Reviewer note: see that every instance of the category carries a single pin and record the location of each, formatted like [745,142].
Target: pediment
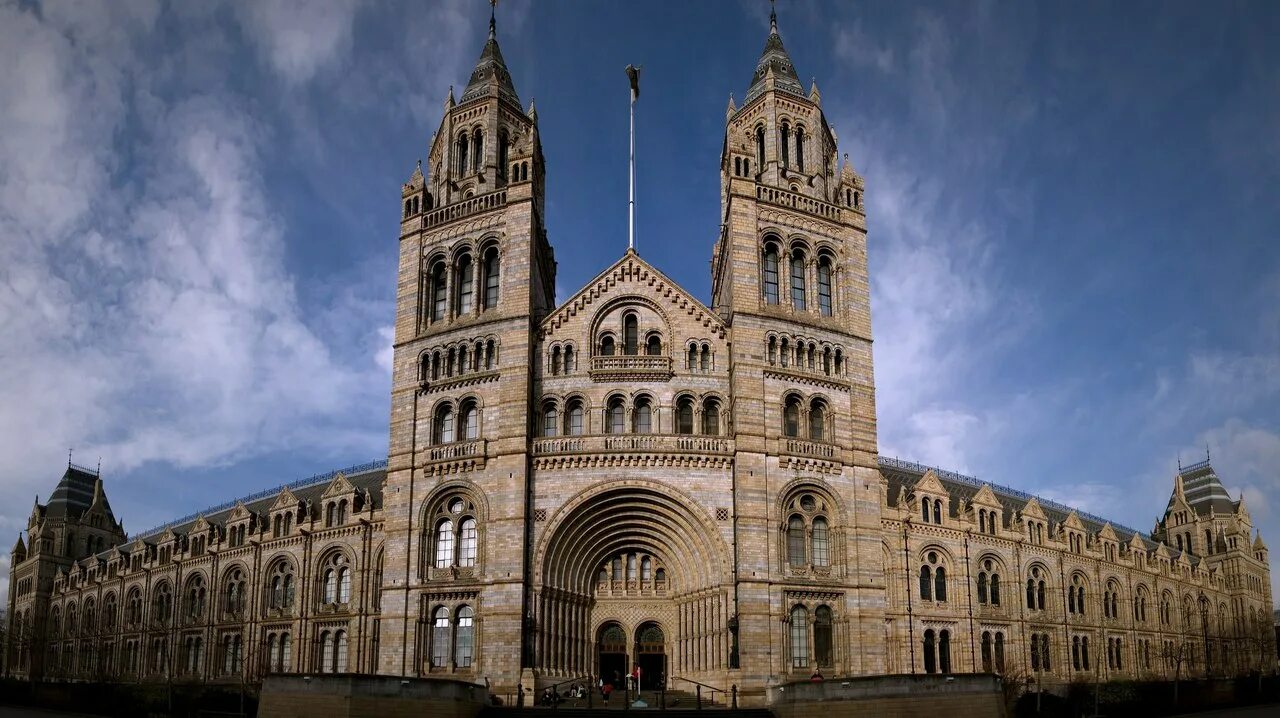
[632,275]
[339,486]
[1162,550]
[1108,533]
[167,536]
[930,484]
[1072,521]
[1033,510]
[238,513]
[200,525]
[986,498]
[286,500]
[1137,544]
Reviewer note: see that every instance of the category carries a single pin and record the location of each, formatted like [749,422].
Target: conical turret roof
[774,58]
[1202,489]
[491,69]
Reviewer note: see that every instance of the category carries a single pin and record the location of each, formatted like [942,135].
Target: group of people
[551,696]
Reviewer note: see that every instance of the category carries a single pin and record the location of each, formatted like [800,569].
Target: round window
[807,502]
[456,506]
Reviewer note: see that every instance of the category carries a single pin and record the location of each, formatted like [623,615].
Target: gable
[338,487]
[286,500]
[631,275]
[929,483]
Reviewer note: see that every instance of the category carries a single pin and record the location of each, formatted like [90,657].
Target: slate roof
[368,477]
[73,495]
[774,56]
[1204,490]
[490,68]
[905,473]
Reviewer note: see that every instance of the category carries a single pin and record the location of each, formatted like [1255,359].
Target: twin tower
[633,477]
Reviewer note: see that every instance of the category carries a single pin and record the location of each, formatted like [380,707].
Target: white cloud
[300,38]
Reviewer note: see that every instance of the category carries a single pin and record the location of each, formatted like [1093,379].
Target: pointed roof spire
[490,69]
[19,548]
[449,101]
[774,58]
[732,108]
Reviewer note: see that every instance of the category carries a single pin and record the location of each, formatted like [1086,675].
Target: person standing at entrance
[605,691]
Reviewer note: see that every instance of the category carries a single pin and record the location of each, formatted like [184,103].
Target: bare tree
[1176,652]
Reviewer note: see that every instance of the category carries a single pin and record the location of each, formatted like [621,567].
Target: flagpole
[631,203]
[633,75]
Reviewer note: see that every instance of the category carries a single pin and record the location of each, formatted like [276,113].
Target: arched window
[461,152]
[710,417]
[926,584]
[791,417]
[280,580]
[817,421]
[504,151]
[999,652]
[770,274]
[693,357]
[568,360]
[464,280]
[477,150]
[653,345]
[684,415]
[930,657]
[944,651]
[986,651]
[615,416]
[469,421]
[195,596]
[438,286]
[746,167]
[785,143]
[799,637]
[706,358]
[760,146]
[642,417]
[550,421]
[492,272]
[937,511]
[800,148]
[797,279]
[822,637]
[444,543]
[573,418]
[824,285]
[821,542]
[646,569]
[924,509]
[464,638]
[606,345]
[630,335]
[443,425]
[737,166]
[1075,595]
[795,541]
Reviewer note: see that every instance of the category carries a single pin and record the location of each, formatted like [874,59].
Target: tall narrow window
[646,569]
[461,151]
[930,655]
[467,544]
[642,417]
[684,416]
[795,541]
[615,416]
[818,422]
[791,417]
[606,346]
[464,279]
[800,148]
[491,273]
[444,544]
[940,584]
[504,150]
[549,420]
[470,422]
[799,637]
[573,419]
[569,358]
[477,151]
[797,280]
[820,542]
[440,638]
[464,638]
[438,288]
[824,286]
[344,584]
[444,425]
[944,651]
[711,417]
[770,275]
[630,335]
[326,652]
[786,141]
[760,147]
[822,637]
[926,584]
[986,651]
[999,652]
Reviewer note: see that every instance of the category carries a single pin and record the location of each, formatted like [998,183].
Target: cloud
[300,38]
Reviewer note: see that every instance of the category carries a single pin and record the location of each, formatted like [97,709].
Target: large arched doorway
[651,655]
[611,655]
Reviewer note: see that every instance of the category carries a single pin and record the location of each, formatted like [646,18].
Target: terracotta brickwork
[632,477]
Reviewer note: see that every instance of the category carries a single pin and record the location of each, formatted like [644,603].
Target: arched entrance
[611,655]
[651,655]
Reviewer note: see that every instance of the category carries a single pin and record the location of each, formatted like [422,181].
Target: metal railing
[730,697]
[1000,489]
[300,483]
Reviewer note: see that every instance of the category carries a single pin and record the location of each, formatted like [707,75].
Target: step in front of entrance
[613,711]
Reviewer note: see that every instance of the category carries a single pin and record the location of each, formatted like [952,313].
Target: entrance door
[651,656]
[611,646]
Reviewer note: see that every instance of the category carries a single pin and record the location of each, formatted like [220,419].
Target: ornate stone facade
[633,477]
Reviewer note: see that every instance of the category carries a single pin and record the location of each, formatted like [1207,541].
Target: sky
[1072,211]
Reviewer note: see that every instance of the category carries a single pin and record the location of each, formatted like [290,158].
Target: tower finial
[493,11]
[773,17]
[68,457]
